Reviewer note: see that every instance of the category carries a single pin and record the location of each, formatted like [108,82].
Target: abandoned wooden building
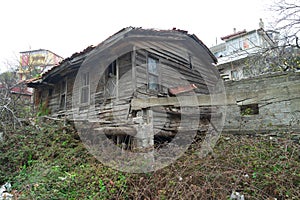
[138,81]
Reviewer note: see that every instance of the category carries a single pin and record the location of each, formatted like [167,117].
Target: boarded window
[250,109]
[153,79]
[85,88]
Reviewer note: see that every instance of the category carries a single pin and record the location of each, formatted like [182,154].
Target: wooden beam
[186,101]
[116,130]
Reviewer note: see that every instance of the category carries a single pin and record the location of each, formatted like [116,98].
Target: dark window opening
[250,109]
[62,104]
[62,101]
[112,69]
[50,92]
[111,82]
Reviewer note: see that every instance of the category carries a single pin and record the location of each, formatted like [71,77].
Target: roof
[123,33]
[18,90]
[37,50]
[234,35]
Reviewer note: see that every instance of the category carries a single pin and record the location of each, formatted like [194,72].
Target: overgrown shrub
[48,161]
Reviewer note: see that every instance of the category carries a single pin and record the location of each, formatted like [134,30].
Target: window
[50,92]
[250,109]
[63,89]
[245,44]
[85,88]
[234,46]
[111,81]
[112,69]
[234,75]
[152,67]
[253,40]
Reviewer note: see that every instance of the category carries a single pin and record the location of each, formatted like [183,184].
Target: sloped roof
[17,89]
[125,32]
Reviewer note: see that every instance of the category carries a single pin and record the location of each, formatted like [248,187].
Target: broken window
[250,109]
[153,77]
[85,88]
[112,69]
[63,89]
[111,82]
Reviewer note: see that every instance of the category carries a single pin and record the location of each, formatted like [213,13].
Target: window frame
[63,94]
[155,75]
[84,86]
[235,75]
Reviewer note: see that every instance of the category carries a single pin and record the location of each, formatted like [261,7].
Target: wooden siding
[174,71]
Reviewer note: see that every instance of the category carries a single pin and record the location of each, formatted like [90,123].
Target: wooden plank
[188,101]
[133,62]
[116,130]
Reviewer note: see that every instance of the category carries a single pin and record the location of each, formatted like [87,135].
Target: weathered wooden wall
[116,113]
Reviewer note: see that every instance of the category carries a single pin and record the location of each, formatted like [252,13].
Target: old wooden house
[150,82]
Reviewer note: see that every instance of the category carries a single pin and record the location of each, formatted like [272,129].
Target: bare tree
[7,101]
[15,101]
[284,55]
[15,97]
[287,20]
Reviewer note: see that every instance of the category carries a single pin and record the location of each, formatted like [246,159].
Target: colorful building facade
[36,62]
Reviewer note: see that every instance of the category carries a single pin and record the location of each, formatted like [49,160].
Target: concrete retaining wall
[277,97]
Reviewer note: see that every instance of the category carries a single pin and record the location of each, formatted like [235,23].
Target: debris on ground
[236,195]
[4,192]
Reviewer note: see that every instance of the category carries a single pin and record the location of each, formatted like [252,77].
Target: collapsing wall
[266,103]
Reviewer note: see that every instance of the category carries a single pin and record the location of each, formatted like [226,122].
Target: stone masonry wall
[277,98]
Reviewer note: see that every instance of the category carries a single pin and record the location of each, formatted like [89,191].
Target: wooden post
[145,132]
[133,63]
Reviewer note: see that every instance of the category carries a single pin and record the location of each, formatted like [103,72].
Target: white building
[234,53]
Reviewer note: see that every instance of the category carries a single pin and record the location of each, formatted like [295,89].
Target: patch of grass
[50,162]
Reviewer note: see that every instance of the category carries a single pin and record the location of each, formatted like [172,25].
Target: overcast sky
[66,27]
